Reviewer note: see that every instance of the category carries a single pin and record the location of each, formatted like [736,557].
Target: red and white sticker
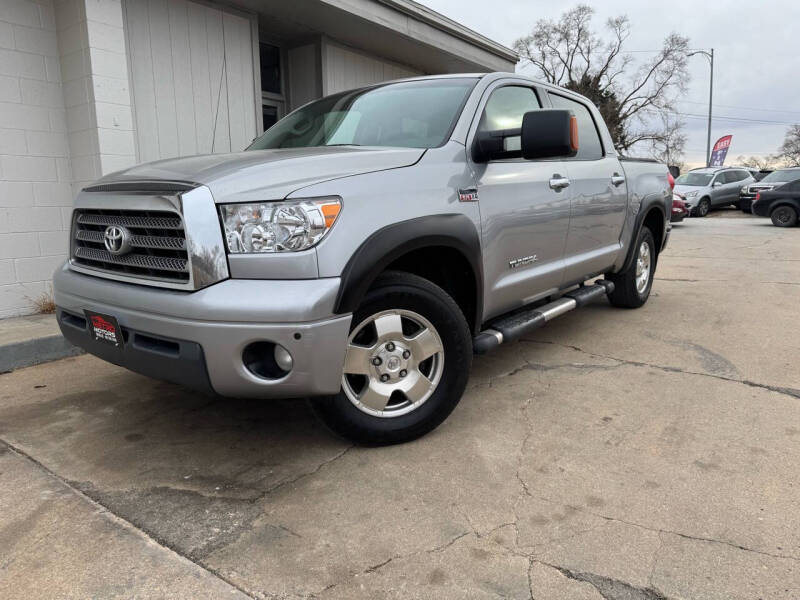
[104,328]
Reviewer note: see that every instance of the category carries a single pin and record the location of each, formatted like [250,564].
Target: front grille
[157,244]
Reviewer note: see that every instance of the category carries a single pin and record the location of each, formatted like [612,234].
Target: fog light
[283,358]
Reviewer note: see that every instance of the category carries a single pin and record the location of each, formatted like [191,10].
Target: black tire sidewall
[625,294]
[404,291]
[790,223]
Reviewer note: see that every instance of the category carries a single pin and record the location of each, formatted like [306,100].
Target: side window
[733,176]
[506,107]
[590,147]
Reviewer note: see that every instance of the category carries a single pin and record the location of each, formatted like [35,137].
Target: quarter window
[590,147]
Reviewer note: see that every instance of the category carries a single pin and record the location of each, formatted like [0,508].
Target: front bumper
[197,338]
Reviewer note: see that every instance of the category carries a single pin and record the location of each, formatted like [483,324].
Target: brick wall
[35,171]
[65,120]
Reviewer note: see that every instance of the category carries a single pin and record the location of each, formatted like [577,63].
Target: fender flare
[389,243]
[793,202]
[654,202]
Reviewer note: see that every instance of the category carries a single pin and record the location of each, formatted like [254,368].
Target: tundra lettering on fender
[364,248]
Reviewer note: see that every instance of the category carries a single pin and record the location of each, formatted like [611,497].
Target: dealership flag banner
[720,151]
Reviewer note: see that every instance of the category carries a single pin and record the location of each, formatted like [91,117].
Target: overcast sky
[756,66]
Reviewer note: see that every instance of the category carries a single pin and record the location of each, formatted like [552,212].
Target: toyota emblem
[117,240]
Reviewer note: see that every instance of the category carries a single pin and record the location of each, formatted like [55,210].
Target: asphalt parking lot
[616,454]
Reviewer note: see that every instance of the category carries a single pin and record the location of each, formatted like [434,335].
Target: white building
[88,87]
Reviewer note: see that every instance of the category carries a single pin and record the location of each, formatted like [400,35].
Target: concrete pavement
[614,454]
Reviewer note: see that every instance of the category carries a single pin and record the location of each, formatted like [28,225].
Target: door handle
[558,183]
[617,180]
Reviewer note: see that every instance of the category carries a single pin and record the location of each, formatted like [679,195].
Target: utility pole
[710,56]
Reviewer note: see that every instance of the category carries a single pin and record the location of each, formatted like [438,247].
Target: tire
[702,207]
[629,291]
[783,216]
[404,306]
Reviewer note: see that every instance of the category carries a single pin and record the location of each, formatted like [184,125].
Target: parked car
[781,204]
[679,209]
[747,194]
[711,187]
[364,247]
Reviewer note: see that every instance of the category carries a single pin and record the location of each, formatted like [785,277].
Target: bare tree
[569,53]
[768,161]
[789,152]
[670,147]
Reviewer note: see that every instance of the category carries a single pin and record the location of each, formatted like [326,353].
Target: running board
[513,327]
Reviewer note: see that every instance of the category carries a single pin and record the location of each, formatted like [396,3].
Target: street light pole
[710,56]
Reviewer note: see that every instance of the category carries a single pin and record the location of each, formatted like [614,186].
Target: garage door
[192,78]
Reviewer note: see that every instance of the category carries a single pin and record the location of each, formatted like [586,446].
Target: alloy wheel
[643,267]
[393,363]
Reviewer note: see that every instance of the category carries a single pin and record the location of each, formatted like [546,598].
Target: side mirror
[716,184]
[551,133]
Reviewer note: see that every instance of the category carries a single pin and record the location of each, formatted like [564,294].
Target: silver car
[712,186]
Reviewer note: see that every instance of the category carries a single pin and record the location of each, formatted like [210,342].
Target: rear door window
[589,145]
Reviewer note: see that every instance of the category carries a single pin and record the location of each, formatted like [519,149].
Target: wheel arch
[654,216]
[444,249]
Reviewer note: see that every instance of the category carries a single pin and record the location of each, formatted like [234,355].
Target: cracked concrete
[613,455]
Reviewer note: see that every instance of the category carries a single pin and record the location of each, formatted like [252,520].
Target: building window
[270,68]
[273,102]
[270,113]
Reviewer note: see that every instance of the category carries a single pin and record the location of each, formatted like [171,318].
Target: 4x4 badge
[468,195]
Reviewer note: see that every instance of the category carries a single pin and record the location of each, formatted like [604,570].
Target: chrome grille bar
[142,222]
[137,241]
[142,261]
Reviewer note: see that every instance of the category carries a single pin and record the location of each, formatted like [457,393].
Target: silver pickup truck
[363,248]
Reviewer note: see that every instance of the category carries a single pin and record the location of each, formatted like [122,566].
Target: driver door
[525,209]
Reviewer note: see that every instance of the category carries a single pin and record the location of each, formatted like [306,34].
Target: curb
[35,352]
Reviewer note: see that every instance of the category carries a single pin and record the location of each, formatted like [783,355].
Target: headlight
[691,194]
[288,226]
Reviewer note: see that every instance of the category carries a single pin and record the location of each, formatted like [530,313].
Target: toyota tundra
[364,247]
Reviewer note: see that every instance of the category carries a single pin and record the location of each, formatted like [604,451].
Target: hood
[259,175]
[685,189]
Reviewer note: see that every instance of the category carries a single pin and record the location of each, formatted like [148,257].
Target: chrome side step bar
[514,326]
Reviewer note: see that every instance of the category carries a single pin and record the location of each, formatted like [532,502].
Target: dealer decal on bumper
[104,328]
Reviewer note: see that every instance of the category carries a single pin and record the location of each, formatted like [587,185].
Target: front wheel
[703,207]
[406,366]
[784,216]
[632,286]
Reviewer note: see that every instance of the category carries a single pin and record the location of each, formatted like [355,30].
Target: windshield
[696,179]
[782,175]
[412,114]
